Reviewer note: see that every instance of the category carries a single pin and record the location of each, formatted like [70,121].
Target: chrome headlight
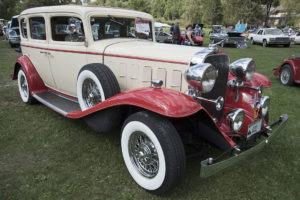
[236,118]
[264,105]
[243,69]
[202,76]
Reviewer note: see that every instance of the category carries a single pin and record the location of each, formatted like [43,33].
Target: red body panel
[35,82]
[295,65]
[256,81]
[197,39]
[166,102]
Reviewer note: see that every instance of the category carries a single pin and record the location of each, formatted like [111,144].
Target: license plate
[253,128]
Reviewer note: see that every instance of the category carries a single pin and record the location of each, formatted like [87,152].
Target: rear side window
[68,29]
[24,28]
[37,28]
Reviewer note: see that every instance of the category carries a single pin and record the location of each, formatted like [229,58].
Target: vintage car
[198,40]
[289,71]
[13,32]
[163,96]
[270,36]
[229,38]
[162,36]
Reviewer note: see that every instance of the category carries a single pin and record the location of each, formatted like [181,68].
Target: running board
[57,102]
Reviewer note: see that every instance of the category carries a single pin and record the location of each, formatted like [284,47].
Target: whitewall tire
[153,152]
[24,89]
[95,83]
[89,90]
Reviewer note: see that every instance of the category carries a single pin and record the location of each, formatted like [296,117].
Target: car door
[35,44]
[68,51]
[259,36]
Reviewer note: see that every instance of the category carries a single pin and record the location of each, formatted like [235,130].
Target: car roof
[83,10]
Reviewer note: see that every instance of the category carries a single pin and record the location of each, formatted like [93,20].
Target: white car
[270,36]
[297,38]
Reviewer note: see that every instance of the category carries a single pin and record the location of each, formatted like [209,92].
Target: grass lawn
[44,155]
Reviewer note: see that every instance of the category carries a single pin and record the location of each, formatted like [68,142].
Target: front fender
[165,102]
[256,81]
[35,82]
[289,62]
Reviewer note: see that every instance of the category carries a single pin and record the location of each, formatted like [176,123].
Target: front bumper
[278,43]
[208,169]
[14,40]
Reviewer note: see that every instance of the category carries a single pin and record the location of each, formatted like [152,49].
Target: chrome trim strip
[60,111]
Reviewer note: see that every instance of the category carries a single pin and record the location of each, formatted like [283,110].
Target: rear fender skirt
[35,82]
[256,81]
[166,102]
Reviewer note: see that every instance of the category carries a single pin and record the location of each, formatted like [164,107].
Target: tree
[212,11]
[193,11]
[269,4]
[7,8]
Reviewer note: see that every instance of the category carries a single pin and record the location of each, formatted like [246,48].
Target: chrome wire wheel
[143,154]
[285,76]
[90,93]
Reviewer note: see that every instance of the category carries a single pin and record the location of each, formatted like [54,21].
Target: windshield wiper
[114,20]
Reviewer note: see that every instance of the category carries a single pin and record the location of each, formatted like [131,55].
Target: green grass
[44,155]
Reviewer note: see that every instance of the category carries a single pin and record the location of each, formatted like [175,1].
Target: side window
[24,28]
[37,28]
[260,32]
[69,29]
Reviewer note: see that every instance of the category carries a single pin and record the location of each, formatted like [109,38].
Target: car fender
[166,102]
[35,82]
[257,80]
[293,66]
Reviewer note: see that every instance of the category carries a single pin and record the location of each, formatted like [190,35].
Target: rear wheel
[286,75]
[252,41]
[153,152]
[24,88]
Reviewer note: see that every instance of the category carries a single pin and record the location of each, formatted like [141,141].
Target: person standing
[189,40]
[176,34]
[172,29]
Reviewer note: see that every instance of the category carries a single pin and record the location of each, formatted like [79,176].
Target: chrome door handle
[45,52]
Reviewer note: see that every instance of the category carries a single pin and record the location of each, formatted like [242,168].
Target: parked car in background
[198,40]
[2,24]
[297,38]
[163,96]
[230,38]
[270,36]
[163,36]
[289,71]
[7,29]
[13,32]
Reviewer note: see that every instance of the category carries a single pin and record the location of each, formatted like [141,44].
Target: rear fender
[35,82]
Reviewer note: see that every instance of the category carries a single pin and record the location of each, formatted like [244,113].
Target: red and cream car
[104,66]
[289,71]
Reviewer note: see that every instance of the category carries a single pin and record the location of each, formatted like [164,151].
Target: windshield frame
[96,15]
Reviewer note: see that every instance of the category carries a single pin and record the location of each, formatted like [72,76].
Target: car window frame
[21,27]
[29,28]
[66,14]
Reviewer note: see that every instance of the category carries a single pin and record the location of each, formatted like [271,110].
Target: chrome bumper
[211,169]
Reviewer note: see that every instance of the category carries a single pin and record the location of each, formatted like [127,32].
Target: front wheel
[286,75]
[265,44]
[251,41]
[153,152]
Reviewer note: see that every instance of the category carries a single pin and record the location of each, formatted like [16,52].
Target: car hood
[152,50]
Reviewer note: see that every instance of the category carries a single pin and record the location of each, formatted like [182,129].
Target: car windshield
[113,27]
[273,32]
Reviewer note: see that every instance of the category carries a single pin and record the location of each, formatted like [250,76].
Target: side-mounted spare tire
[96,83]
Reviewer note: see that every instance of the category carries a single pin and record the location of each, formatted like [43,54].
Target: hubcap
[90,93]
[285,76]
[24,86]
[143,154]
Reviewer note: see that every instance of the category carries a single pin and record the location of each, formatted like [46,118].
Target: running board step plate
[57,102]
